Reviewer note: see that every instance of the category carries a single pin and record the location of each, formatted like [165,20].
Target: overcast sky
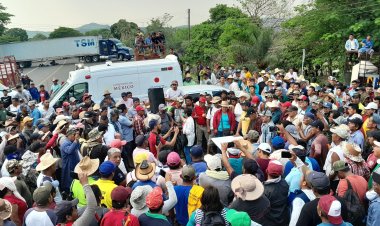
[45,15]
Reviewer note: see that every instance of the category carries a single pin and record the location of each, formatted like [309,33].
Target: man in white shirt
[234,85]
[126,98]
[351,46]
[210,118]
[173,93]
[291,75]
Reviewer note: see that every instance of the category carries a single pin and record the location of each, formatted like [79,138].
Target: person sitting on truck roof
[188,80]
[7,100]
[34,92]
[44,95]
[173,93]
[55,87]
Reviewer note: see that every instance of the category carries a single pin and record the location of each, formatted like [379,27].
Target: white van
[136,77]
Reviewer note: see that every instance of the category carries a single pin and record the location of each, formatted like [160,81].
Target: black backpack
[213,218]
[355,210]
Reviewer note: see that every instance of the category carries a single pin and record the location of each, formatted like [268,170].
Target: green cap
[340,166]
[236,218]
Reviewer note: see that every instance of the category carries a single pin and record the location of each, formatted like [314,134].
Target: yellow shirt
[248,75]
[194,201]
[106,187]
[78,192]
[244,123]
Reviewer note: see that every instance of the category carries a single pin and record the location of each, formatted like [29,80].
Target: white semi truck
[87,48]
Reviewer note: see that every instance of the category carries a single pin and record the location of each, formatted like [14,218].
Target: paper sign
[218,141]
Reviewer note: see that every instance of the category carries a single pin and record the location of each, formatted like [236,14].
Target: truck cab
[113,48]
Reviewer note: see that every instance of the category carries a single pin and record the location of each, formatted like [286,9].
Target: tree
[159,23]
[267,12]
[63,32]
[5,18]
[125,31]
[17,33]
[105,33]
[39,36]
[221,13]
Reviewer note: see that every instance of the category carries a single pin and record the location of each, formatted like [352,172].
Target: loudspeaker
[156,97]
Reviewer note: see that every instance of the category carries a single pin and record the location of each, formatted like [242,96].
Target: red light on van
[170,68]
[156,79]
[87,76]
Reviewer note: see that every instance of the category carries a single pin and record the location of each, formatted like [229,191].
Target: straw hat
[106,92]
[216,99]
[5,209]
[87,166]
[46,161]
[273,104]
[145,171]
[352,151]
[247,187]
[59,118]
[225,104]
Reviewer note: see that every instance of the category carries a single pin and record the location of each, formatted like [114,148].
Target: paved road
[45,75]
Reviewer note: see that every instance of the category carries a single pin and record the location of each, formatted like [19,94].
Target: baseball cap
[250,111]
[42,194]
[117,143]
[64,206]
[327,105]
[252,135]
[140,108]
[152,123]
[340,166]
[65,104]
[372,106]
[255,99]
[139,140]
[154,199]
[356,121]
[318,180]
[202,100]
[173,159]
[196,151]
[236,218]
[303,98]
[85,96]
[107,168]
[274,168]
[287,104]
[317,124]
[278,142]
[265,147]
[121,193]
[310,115]
[188,172]
[332,208]
[213,162]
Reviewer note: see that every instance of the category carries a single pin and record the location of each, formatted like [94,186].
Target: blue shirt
[368,44]
[34,93]
[70,158]
[224,122]
[35,114]
[373,218]
[357,137]
[311,163]
[142,183]
[126,128]
[182,193]
[237,165]
[199,167]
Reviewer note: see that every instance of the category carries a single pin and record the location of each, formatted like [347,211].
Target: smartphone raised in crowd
[162,173]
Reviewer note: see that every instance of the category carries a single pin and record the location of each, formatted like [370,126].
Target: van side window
[75,91]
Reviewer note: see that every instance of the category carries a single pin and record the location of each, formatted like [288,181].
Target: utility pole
[188,22]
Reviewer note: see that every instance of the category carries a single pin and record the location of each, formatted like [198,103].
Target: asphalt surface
[45,75]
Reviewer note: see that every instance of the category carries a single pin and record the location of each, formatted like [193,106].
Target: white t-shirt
[210,115]
[172,94]
[328,165]
[238,111]
[234,87]
[38,218]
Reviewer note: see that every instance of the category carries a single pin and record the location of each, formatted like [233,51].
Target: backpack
[213,218]
[355,210]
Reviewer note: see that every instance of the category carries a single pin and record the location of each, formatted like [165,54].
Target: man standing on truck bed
[55,87]
[173,93]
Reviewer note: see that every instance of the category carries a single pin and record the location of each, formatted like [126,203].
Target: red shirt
[263,163]
[153,142]
[199,114]
[21,205]
[42,96]
[119,218]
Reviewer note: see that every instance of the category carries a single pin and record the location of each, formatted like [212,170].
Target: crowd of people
[300,154]
[151,43]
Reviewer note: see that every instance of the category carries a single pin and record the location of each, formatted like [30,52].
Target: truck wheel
[88,59]
[121,57]
[95,58]
[25,64]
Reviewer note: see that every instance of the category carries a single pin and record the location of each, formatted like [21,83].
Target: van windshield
[54,94]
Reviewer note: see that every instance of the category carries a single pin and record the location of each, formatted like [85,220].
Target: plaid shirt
[359,168]
[138,125]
